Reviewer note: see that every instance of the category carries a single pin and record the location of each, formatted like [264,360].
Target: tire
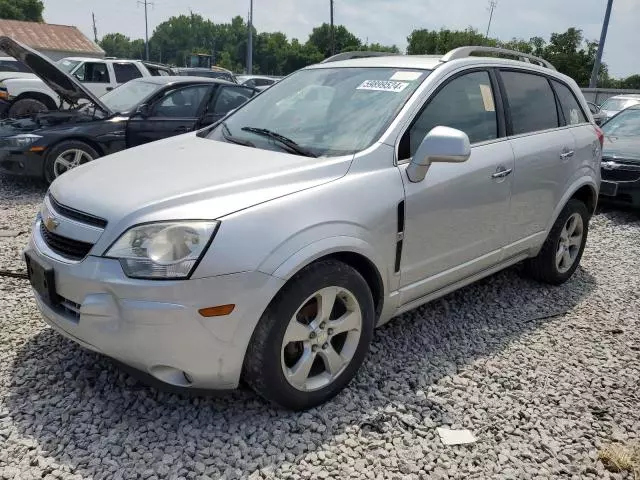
[544,267]
[26,106]
[269,356]
[78,154]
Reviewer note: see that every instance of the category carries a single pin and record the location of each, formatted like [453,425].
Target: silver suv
[268,247]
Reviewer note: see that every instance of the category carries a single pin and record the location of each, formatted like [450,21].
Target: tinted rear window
[13,66]
[531,102]
[126,72]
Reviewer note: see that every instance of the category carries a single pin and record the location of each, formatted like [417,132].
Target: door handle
[567,154]
[109,89]
[502,173]
[181,130]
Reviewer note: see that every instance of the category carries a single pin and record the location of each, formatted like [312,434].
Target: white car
[25,94]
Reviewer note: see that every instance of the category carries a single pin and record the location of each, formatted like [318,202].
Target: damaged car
[48,144]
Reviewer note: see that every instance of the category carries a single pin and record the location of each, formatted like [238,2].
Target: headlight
[20,141]
[167,250]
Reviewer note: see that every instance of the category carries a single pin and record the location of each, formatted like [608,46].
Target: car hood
[34,123]
[158,180]
[67,87]
[621,148]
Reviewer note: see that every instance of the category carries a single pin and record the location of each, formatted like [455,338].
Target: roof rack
[355,54]
[464,52]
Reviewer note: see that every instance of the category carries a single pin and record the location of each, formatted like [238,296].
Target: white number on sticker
[383,86]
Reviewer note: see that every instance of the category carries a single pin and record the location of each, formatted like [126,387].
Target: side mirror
[442,144]
[143,110]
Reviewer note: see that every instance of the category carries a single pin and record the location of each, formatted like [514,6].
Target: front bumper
[27,164]
[620,184]
[154,326]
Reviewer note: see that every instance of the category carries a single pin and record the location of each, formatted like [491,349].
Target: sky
[381,21]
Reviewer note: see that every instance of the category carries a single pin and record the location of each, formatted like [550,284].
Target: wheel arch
[42,97]
[584,189]
[355,252]
[77,138]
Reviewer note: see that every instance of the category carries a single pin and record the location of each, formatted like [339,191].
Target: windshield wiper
[226,134]
[287,142]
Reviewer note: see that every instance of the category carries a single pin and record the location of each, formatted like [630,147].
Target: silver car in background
[269,246]
[617,103]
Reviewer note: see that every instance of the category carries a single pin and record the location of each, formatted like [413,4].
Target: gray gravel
[542,395]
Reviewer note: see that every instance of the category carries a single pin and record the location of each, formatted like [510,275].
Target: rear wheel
[26,106]
[561,253]
[66,156]
[313,337]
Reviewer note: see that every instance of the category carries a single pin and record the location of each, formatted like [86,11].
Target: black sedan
[48,144]
[621,159]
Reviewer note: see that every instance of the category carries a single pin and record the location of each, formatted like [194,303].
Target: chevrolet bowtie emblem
[51,223]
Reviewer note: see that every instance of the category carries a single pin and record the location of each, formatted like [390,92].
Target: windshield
[128,95]
[326,111]
[67,65]
[617,104]
[625,124]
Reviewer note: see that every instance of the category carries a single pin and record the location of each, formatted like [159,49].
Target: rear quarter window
[571,109]
[531,102]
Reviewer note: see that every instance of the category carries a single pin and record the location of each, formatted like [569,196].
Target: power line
[492,5]
[593,82]
[146,26]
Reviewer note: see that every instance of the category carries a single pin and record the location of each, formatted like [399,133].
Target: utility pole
[250,41]
[146,26]
[95,29]
[332,33]
[593,83]
[492,5]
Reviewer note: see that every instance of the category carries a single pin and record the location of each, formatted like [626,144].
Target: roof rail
[464,52]
[355,54]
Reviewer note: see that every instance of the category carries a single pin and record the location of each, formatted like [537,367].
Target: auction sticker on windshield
[383,86]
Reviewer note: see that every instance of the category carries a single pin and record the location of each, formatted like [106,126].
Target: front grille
[620,175]
[76,215]
[72,309]
[66,247]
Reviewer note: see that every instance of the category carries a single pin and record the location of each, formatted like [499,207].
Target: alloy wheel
[321,339]
[569,243]
[70,159]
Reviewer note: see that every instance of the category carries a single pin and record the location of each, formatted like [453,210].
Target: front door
[177,111]
[225,99]
[455,217]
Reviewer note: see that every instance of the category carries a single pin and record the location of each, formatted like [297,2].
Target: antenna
[146,26]
[95,29]
[333,39]
[492,5]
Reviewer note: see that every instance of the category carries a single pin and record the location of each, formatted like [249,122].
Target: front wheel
[66,156]
[313,337]
[561,253]
[25,107]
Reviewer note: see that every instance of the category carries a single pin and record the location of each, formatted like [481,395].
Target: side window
[465,103]
[229,98]
[263,82]
[92,72]
[125,72]
[571,109]
[250,83]
[531,102]
[181,103]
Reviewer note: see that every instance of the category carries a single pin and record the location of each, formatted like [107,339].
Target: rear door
[587,147]
[175,111]
[544,151]
[224,99]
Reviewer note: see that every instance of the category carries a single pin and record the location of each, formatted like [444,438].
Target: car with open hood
[48,144]
[621,159]
[267,247]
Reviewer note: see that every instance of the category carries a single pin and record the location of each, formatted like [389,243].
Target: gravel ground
[542,395]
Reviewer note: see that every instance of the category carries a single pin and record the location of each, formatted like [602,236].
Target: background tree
[432,42]
[344,40]
[28,10]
